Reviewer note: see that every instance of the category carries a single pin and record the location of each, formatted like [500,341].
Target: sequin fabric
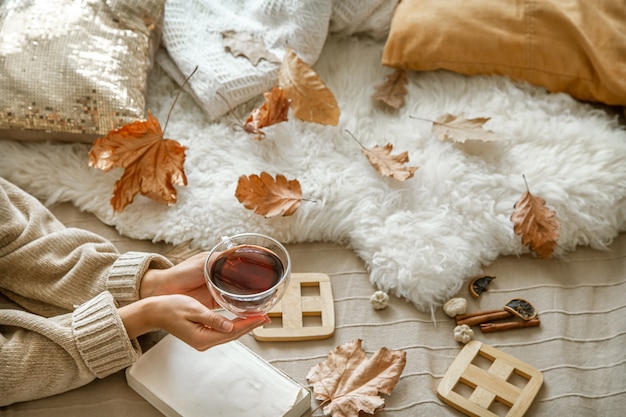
[74,69]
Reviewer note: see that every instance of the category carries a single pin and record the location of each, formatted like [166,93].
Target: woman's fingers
[209,337]
[191,321]
[243,326]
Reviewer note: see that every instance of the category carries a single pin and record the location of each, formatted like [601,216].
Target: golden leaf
[460,129]
[350,382]
[393,90]
[274,110]
[152,165]
[537,224]
[311,100]
[387,164]
[268,196]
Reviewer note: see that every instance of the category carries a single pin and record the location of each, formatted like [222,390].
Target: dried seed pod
[455,306]
[479,285]
[379,300]
[463,333]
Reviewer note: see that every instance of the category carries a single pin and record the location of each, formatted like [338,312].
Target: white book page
[226,380]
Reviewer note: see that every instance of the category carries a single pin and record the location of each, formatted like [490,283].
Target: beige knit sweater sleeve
[59,292]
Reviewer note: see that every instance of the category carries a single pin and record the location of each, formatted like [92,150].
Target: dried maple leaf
[393,90]
[536,223]
[350,382]
[268,196]
[387,164]
[247,45]
[274,110]
[311,100]
[152,165]
[460,129]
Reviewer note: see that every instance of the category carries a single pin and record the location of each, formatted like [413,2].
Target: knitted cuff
[126,273]
[101,337]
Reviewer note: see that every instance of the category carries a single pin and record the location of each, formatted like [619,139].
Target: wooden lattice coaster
[306,312]
[500,381]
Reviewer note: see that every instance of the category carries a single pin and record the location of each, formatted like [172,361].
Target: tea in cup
[248,273]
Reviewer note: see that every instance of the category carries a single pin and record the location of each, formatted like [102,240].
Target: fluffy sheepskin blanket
[421,238]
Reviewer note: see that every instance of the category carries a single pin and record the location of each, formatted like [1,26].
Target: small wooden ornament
[489,385]
[295,307]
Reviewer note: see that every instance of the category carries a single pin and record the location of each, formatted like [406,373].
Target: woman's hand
[185,278]
[178,301]
[186,318]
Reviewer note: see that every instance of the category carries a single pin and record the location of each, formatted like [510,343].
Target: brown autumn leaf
[350,382]
[537,224]
[393,90]
[311,99]
[247,45]
[274,110]
[267,196]
[387,164]
[152,165]
[459,129]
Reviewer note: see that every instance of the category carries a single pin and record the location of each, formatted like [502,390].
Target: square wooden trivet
[489,385]
[295,307]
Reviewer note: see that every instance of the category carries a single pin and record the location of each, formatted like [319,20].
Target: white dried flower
[455,306]
[463,333]
[379,300]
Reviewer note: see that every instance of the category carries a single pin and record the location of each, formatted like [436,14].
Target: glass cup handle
[227,242]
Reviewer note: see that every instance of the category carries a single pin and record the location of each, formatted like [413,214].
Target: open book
[226,380]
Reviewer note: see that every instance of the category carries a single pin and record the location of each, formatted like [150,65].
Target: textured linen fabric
[578,347]
[59,292]
[192,36]
[572,46]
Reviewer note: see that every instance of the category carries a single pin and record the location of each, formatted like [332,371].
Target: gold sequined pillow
[72,70]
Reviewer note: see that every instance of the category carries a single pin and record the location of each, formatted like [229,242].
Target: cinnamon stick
[476,313]
[496,327]
[483,317]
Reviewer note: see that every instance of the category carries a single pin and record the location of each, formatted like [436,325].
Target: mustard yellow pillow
[572,46]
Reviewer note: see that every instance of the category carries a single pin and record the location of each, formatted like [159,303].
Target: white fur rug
[420,238]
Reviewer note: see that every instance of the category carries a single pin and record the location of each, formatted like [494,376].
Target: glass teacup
[248,273]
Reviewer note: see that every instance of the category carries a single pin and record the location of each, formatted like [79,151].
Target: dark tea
[246,269]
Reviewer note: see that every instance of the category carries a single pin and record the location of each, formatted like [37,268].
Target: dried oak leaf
[350,382]
[274,110]
[393,90]
[152,165]
[311,99]
[247,45]
[459,129]
[387,164]
[267,196]
[536,223]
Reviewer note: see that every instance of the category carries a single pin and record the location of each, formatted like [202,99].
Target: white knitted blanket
[421,238]
[192,36]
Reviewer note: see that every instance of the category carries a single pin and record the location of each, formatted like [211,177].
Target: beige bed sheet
[579,348]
